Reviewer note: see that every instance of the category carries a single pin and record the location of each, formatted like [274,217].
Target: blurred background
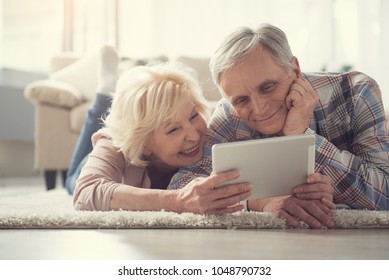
[331,35]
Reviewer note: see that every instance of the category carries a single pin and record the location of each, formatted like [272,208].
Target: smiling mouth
[269,117]
[190,152]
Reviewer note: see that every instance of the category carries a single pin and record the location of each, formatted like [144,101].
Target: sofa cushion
[201,65]
[126,63]
[62,60]
[81,74]
[53,92]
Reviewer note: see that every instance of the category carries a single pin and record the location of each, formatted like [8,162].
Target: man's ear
[296,67]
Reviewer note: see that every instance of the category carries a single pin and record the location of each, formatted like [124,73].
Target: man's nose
[258,105]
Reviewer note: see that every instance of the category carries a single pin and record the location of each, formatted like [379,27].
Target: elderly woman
[156,124]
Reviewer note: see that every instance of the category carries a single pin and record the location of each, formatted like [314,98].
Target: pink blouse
[105,170]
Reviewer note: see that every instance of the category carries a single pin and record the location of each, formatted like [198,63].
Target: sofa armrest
[54,93]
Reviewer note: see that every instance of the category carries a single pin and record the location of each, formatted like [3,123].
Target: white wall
[16,113]
[321,33]
[16,159]
[328,33]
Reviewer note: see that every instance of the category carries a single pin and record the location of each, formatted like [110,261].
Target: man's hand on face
[300,102]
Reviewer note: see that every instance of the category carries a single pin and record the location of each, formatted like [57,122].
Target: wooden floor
[188,244]
[195,244]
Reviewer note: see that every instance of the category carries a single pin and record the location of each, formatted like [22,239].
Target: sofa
[62,100]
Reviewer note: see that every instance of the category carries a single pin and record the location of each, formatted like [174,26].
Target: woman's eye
[194,117]
[172,130]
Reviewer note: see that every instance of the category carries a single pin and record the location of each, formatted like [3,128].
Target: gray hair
[243,41]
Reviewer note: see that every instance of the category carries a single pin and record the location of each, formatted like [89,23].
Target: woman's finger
[216,179]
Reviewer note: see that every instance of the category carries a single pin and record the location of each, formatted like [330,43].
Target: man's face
[257,88]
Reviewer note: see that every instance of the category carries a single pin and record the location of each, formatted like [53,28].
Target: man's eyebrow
[265,83]
[259,87]
[268,81]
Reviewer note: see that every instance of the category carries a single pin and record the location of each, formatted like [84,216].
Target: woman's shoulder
[100,134]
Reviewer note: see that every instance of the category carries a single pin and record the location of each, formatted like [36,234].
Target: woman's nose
[192,134]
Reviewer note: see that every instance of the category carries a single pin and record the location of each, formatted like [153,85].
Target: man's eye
[240,101]
[268,87]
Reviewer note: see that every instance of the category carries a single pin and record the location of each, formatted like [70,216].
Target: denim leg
[84,146]
[71,180]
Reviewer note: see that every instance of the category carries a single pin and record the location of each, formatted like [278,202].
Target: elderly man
[266,95]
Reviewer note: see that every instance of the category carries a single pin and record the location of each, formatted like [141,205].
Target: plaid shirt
[352,142]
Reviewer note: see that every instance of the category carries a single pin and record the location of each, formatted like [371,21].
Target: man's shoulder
[224,111]
[333,78]
[223,104]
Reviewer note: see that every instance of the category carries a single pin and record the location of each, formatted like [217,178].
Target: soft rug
[53,209]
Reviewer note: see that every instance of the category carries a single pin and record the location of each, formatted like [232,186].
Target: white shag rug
[54,210]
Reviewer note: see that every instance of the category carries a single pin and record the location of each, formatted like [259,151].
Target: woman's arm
[199,196]
[108,182]
[104,171]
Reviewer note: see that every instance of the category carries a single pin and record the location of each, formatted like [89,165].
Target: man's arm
[185,175]
[359,172]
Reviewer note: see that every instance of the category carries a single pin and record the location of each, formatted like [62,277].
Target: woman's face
[178,144]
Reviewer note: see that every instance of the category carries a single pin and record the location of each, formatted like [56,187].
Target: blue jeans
[84,146]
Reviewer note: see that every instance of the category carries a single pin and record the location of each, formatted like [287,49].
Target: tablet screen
[274,166]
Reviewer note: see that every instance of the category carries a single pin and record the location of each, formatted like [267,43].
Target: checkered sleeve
[359,172]
[203,168]
[185,175]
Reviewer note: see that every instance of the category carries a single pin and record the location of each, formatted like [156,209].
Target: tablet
[274,166]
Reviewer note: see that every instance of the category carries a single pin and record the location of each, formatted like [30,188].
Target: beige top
[105,170]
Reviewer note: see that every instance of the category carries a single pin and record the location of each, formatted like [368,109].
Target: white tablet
[274,166]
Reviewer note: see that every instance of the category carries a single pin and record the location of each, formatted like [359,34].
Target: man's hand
[315,213]
[201,196]
[318,186]
[301,101]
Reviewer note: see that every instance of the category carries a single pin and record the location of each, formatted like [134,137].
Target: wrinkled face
[178,144]
[257,88]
